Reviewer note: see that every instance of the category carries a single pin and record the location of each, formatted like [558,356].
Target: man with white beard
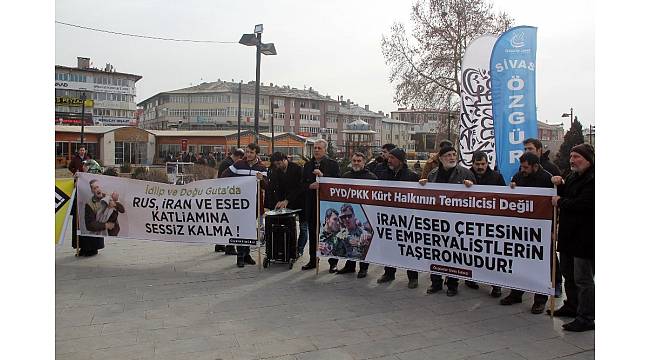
[448,172]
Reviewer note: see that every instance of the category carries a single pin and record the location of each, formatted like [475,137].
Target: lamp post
[83,113]
[570,116]
[255,39]
[239,119]
[273,106]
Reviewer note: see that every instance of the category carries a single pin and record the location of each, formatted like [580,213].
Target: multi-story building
[551,136]
[590,134]
[110,95]
[398,132]
[214,106]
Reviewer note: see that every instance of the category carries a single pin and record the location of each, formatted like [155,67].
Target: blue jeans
[302,237]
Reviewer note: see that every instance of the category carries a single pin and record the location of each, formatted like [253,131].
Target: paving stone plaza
[159,300]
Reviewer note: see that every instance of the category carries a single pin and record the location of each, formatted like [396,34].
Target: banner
[489,234]
[476,123]
[63,195]
[512,68]
[70,101]
[215,211]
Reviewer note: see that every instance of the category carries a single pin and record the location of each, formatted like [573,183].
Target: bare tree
[425,65]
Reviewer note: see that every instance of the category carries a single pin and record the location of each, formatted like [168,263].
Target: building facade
[110,95]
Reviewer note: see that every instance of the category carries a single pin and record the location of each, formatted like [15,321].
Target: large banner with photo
[215,211]
[490,234]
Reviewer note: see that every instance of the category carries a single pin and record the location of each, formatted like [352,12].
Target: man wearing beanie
[398,171]
[448,172]
[576,237]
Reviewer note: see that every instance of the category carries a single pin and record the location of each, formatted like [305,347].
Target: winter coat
[403,174]
[548,165]
[541,178]
[76,164]
[458,175]
[329,168]
[286,186]
[491,177]
[364,174]
[577,205]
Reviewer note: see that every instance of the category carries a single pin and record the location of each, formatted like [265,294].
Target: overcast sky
[332,46]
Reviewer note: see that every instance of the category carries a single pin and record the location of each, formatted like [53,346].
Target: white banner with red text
[489,234]
[215,211]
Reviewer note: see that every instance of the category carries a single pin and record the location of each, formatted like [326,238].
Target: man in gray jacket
[447,172]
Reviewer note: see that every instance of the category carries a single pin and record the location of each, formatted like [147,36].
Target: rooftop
[246,88]
[98,71]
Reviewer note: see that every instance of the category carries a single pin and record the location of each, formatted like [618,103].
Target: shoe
[413,283]
[310,265]
[563,311]
[471,285]
[509,300]
[385,278]
[249,260]
[434,289]
[558,291]
[219,248]
[496,292]
[538,308]
[333,269]
[578,326]
[362,274]
[240,262]
[452,291]
[346,270]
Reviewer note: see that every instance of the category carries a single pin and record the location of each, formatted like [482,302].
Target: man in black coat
[485,176]
[359,171]
[318,165]
[576,243]
[398,171]
[531,174]
[380,164]
[287,192]
[535,146]
[235,155]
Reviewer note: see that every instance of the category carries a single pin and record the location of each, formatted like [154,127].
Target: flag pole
[554,256]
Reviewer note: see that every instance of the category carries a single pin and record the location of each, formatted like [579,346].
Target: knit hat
[586,151]
[399,154]
[445,150]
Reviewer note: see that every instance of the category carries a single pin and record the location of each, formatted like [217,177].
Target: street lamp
[83,113]
[570,116]
[273,106]
[255,39]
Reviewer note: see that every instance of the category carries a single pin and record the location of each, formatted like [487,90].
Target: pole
[258,223]
[318,226]
[258,58]
[83,113]
[189,111]
[239,118]
[554,256]
[272,128]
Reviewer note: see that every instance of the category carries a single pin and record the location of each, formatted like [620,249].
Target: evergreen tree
[572,138]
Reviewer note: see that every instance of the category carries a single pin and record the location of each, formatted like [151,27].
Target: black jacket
[363,174]
[548,165]
[403,174]
[286,186]
[541,178]
[491,177]
[329,168]
[577,204]
[224,165]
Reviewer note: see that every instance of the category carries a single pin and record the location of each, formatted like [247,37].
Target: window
[61,149]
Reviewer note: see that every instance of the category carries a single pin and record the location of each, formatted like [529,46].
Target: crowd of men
[288,185]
